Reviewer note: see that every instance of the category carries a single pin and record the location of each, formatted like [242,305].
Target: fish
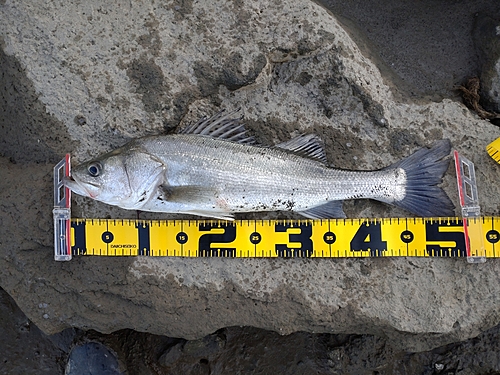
[213,168]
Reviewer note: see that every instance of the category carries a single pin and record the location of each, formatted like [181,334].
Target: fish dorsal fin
[221,125]
[308,145]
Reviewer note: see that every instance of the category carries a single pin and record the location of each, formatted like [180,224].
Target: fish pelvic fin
[211,214]
[424,170]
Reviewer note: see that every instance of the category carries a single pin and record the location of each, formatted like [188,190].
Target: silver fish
[212,169]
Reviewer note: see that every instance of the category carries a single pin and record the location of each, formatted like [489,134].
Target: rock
[248,350]
[186,353]
[487,41]
[426,48]
[24,349]
[84,79]
[172,355]
[92,358]
[232,349]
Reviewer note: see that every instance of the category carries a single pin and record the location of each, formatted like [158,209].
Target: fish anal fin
[329,210]
[306,145]
[222,126]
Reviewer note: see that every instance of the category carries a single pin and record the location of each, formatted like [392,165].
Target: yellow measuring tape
[334,238]
[493,150]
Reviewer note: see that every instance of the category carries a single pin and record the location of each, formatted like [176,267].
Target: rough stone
[425,47]
[487,40]
[26,350]
[94,76]
[24,347]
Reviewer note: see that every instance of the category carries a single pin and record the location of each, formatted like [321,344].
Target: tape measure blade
[336,238]
[493,149]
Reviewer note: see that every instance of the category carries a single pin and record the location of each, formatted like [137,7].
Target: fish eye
[94,169]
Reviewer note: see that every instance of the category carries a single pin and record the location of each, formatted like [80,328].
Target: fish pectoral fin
[194,196]
[186,193]
[306,145]
[330,210]
[221,125]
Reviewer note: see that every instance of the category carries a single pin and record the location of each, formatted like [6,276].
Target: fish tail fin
[424,171]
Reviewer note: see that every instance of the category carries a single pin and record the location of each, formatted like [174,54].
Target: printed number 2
[369,238]
[206,240]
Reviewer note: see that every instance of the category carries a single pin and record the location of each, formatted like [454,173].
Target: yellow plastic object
[334,238]
[493,150]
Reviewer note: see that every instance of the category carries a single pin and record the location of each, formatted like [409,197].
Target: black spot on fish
[143,197]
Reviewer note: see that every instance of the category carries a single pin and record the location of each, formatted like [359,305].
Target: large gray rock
[487,40]
[86,78]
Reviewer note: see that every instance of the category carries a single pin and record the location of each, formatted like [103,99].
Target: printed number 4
[369,238]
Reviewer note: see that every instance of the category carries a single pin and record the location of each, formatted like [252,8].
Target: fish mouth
[77,187]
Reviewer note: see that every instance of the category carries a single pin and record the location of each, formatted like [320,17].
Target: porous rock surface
[85,78]
[487,42]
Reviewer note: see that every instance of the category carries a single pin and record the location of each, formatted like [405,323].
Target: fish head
[124,177]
